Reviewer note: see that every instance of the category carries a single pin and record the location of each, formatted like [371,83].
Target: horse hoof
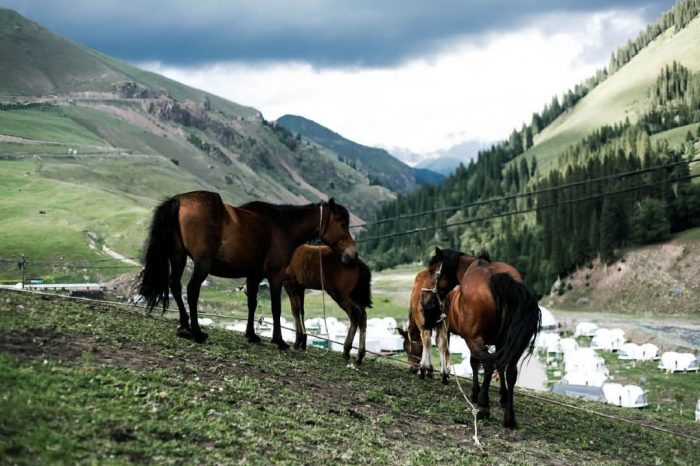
[431,374]
[282,346]
[422,374]
[200,337]
[253,338]
[184,332]
[360,358]
[445,378]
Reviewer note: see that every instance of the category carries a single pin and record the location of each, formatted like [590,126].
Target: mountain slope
[77,124]
[624,94]
[378,163]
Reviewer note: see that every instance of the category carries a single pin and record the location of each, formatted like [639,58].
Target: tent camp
[676,362]
[627,396]
[585,329]
[548,322]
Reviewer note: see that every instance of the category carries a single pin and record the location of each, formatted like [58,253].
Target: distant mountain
[425,176]
[443,165]
[95,140]
[377,163]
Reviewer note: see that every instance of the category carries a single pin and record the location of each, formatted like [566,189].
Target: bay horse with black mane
[255,241]
[347,284]
[492,306]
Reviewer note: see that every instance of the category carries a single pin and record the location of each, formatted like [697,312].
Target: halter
[320,222]
[434,290]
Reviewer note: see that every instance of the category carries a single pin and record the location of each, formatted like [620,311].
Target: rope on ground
[474,411]
[520,391]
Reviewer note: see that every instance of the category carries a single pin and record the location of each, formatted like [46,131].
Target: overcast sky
[421,75]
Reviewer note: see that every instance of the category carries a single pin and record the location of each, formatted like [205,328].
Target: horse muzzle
[349,255]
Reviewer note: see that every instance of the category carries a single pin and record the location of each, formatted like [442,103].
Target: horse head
[334,232]
[440,281]
[412,346]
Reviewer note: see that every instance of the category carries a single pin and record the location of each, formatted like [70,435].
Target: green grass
[84,383]
[49,124]
[688,235]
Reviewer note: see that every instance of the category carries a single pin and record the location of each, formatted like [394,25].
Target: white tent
[649,352]
[585,329]
[589,378]
[584,360]
[630,351]
[548,342]
[567,345]
[608,340]
[463,369]
[628,396]
[675,362]
[548,321]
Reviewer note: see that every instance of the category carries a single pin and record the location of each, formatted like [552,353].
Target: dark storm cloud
[324,33]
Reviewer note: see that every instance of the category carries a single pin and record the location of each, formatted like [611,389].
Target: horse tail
[520,319]
[153,281]
[362,293]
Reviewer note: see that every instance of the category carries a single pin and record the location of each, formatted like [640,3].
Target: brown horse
[255,240]
[491,307]
[421,323]
[347,284]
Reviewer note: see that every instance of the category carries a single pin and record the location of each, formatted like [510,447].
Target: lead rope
[320,262]
[475,437]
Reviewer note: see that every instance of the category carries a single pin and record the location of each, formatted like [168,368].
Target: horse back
[473,307]
[200,217]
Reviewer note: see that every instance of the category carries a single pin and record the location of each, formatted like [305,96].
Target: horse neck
[300,224]
[462,266]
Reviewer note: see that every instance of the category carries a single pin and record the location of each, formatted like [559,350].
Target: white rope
[475,411]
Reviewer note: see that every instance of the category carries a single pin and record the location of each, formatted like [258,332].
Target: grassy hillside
[139,138]
[625,94]
[378,163]
[132,392]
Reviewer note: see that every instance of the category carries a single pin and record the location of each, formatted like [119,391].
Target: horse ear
[438,252]
[331,202]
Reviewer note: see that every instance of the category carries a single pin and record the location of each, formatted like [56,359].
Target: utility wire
[528,193]
[524,211]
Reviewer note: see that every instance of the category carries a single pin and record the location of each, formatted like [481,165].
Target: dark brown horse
[491,307]
[255,240]
[347,284]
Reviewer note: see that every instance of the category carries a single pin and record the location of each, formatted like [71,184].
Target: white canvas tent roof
[568,344]
[676,362]
[585,329]
[628,396]
[583,377]
[548,321]
[608,340]
[548,342]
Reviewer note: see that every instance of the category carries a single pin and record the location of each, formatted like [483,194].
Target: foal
[347,284]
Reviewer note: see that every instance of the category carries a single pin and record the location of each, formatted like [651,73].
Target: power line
[529,193]
[524,211]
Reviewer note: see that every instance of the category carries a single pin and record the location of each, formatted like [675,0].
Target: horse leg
[483,400]
[252,283]
[177,267]
[503,390]
[200,272]
[441,336]
[353,313]
[475,363]
[509,413]
[275,296]
[426,362]
[363,335]
[293,293]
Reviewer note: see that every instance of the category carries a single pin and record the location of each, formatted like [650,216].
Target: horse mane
[450,261]
[270,210]
[362,293]
[483,254]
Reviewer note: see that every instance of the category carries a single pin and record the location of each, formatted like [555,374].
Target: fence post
[22,263]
